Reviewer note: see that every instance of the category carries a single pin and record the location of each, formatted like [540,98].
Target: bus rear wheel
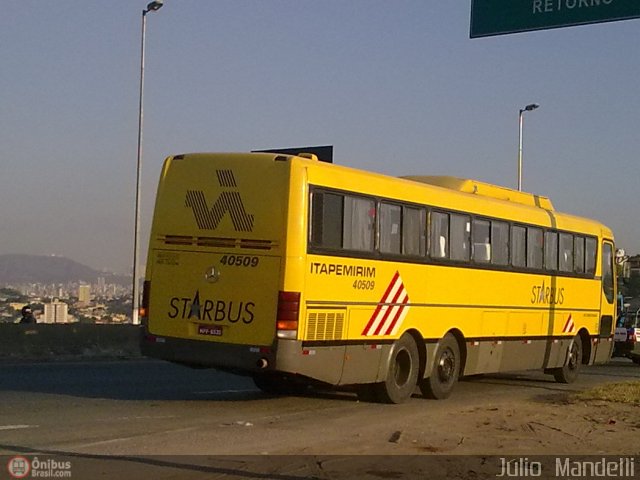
[446,369]
[402,374]
[569,373]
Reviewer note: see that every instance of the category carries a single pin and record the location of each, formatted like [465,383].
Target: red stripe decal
[380,305]
[398,314]
[389,309]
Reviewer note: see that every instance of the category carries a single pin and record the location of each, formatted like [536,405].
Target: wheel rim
[573,356]
[447,366]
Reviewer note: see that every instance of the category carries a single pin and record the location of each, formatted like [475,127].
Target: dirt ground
[117,426]
[550,424]
[557,424]
[468,444]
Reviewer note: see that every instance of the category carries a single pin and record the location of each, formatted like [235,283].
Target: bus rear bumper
[325,364]
[241,359]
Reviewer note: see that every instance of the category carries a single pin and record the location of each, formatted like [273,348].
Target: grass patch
[627,392]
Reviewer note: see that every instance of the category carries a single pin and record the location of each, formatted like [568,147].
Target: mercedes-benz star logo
[212,274]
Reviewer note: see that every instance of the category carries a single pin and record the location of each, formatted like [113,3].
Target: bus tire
[402,374]
[569,373]
[446,369]
[278,384]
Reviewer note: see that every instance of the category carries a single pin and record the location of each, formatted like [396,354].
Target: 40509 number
[240,260]
[364,284]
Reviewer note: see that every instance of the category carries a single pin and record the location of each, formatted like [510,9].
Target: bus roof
[481,190]
[467,187]
[485,189]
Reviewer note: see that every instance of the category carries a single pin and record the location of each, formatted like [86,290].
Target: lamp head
[155,5]
[531,106]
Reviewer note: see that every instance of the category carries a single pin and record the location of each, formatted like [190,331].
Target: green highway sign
[498,17]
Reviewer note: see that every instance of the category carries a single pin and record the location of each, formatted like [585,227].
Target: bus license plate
[620,335]
[215,330]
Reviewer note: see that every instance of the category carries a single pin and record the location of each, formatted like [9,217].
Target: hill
[16,269]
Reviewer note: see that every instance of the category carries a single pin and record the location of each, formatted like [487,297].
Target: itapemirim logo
[228,201]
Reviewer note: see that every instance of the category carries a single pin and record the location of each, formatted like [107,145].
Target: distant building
[84,294]
[634,264]
[56,312]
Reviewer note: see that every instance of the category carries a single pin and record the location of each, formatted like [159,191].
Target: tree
[13,295]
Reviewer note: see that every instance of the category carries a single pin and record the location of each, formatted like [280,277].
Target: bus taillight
[288,312]
[143,311]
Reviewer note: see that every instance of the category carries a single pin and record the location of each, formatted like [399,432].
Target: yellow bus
[295,271]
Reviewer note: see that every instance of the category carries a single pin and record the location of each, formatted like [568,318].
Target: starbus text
[542,295]
[211,310]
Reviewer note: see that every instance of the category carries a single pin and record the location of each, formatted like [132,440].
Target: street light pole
[151,7]
[528,108]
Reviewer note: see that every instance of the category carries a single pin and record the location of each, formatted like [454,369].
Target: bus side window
[460,232]
[551,250]
[566,252]
[326,220]
[390,235]
[534,248]
[413,231]
[591,245]
[359,222]
[578,244]
[439,235]
[481,241]
[499,243]
[519,246]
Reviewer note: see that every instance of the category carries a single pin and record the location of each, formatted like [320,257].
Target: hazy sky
[396,86]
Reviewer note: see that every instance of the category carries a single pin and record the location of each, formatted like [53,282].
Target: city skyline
[399,91]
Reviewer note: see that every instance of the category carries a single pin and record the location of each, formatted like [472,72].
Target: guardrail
[60,341]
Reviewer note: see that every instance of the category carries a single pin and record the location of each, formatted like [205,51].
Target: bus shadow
[127,380]
[519,380]
[145,380]
[162,381]
[624,368]
[616,371]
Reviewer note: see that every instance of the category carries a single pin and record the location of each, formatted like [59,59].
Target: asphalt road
[136,408]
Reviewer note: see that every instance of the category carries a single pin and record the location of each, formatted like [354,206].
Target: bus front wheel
[446,369]
[402,375]
[569,373]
